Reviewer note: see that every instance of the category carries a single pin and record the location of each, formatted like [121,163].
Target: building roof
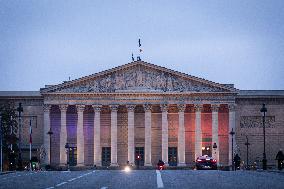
[20,94]
[261,93]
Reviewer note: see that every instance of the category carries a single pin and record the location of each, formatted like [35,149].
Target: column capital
[147,107]
[232,107]
[113,107]
[198,107]
[97,108]
[130,107]
[46,107]
[215,107]
[164,107]
[63,107]
[80,108]
[181,107]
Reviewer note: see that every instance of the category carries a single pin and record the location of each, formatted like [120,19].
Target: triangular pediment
[138,76]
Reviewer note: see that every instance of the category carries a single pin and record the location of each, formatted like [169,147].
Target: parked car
[206,162]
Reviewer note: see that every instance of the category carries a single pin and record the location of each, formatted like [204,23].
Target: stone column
[198,132]
[165,133]
[80,135]
[148,145]
[131,145]
[181,135]
[232,124]
[46,128]
[63,135]
[215,136]
[114,109]
[97,135]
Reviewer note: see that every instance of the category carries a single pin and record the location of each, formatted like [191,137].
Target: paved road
[136,179]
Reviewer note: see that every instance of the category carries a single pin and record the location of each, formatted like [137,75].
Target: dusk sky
[225,41]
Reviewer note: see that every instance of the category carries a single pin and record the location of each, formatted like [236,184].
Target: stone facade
[140,106]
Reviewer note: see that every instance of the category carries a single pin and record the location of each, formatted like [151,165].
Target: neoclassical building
[140,113]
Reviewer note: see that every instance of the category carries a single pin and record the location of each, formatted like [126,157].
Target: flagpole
[30,144]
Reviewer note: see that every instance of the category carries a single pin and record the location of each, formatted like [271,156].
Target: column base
[148,164]
[181,164]
[98,164]
[80,165]
[114,164]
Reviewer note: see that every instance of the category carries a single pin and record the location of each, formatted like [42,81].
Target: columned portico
[215,137]
[165,133]
[114,135]
[161,133]
[130,134]
[80,135]
[46,128]
[97,135]
[63,134]
[198,132]
[181,135]
[148,119]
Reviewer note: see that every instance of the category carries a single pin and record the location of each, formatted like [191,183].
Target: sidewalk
[271,171]
[6,172]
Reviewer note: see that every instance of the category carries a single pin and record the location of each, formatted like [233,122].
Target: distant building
[141,109]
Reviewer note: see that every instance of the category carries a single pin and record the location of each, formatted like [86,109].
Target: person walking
[237,161]
[280,158]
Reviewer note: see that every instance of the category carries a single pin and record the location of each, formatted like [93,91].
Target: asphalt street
[136,179]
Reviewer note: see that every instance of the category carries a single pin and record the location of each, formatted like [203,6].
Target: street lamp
[50,133]
[247,144]
[67,155]
[263,110]
[232,133]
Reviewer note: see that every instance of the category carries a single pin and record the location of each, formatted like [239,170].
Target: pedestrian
[280,158]
[237,161]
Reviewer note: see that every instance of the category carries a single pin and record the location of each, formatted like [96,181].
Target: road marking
[159,179]
[72,179]
[61,183]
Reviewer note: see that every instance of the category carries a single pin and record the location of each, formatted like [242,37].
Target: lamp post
[50,133]
[20,110]
[67,155]
[263,110]
[232,133]
[247,144]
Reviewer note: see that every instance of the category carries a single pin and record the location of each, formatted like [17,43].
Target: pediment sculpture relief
[140,79]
